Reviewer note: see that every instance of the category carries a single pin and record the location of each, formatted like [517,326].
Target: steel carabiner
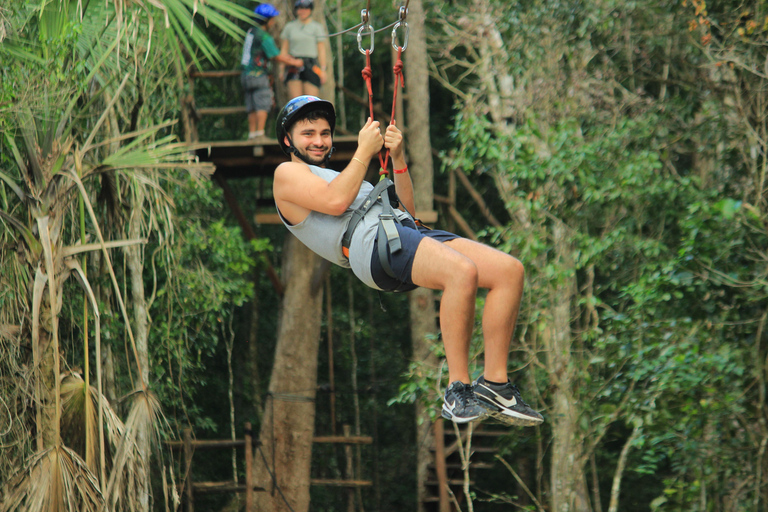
[362,31]
[402,15]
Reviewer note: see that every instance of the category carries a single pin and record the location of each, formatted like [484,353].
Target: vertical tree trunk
[289,411]
[135,262]
[45,362]
[46,306]
[421,300]
[251,369]
[134,257]
[569,485]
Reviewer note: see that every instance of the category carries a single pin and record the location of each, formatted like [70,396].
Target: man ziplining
[349,222]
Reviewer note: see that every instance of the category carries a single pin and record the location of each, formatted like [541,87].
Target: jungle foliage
[621,145]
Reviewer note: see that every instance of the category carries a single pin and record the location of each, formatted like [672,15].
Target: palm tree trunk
[135,263]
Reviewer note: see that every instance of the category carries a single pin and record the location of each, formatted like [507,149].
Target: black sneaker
[460,404]
[505,404]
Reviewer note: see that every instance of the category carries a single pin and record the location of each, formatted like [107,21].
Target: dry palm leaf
[55,479]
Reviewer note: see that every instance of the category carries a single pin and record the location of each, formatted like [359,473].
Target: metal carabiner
[360,34]
[394,35]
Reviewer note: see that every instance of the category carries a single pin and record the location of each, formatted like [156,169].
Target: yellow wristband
[358,160]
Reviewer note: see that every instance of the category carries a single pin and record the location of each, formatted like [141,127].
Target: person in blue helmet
[357,225]
[259,49]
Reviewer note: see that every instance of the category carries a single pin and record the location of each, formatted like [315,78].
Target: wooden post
[331,378]
[452,199]
[248,468]
[191,106]
[188,469]
[350,470]
[440,469]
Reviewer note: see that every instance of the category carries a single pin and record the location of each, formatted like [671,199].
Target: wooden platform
[246,159]
[239,159]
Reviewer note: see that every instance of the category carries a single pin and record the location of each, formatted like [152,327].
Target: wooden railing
[190,488]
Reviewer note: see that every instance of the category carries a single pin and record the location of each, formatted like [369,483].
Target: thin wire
[343,31]
[350,29]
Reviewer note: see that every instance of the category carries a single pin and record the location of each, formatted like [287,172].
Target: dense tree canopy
[619,147]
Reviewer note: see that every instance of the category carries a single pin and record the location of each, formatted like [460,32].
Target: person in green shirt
[259,49]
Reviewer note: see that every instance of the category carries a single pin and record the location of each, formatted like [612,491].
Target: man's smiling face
[312,139]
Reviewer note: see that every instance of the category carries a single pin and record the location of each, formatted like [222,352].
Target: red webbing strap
[367,76]
[399,83]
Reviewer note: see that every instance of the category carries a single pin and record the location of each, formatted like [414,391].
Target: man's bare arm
[295,184]
[393,140]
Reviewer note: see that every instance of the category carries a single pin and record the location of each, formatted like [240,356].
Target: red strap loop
[399,84]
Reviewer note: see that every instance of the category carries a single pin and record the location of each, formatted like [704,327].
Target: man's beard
[312,159]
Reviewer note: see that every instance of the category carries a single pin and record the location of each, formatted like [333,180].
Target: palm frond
[77,249]
[108,260]
[21,51]
[54,479]
[13,186]
[127,479]
[27,125]
[32,244]
[9,331]
[77,417]
[180,17]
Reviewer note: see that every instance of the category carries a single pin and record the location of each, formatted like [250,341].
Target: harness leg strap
[383,244]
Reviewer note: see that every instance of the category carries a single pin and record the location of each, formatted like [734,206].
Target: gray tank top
[322,233]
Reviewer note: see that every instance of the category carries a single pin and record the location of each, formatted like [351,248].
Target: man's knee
[466,273]
[516,267]
[513,270]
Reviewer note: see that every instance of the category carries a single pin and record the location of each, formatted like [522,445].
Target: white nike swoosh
[451,406]
[503,401]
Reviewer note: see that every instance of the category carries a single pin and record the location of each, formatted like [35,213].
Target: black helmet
[299,108]
[305,4]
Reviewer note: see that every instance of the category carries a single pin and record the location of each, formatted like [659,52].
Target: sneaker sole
[508,416]
[458,419]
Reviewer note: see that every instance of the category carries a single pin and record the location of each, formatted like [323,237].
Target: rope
[399,83]
[285,397]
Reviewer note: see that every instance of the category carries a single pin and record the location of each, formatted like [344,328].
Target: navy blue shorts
[402,261]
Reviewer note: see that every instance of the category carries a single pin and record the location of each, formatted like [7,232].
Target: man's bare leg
[458,268]
[503,276]
[439,267]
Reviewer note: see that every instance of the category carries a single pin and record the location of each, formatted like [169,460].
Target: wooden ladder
[446,472]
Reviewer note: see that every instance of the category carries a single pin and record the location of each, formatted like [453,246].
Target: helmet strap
[292,149]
